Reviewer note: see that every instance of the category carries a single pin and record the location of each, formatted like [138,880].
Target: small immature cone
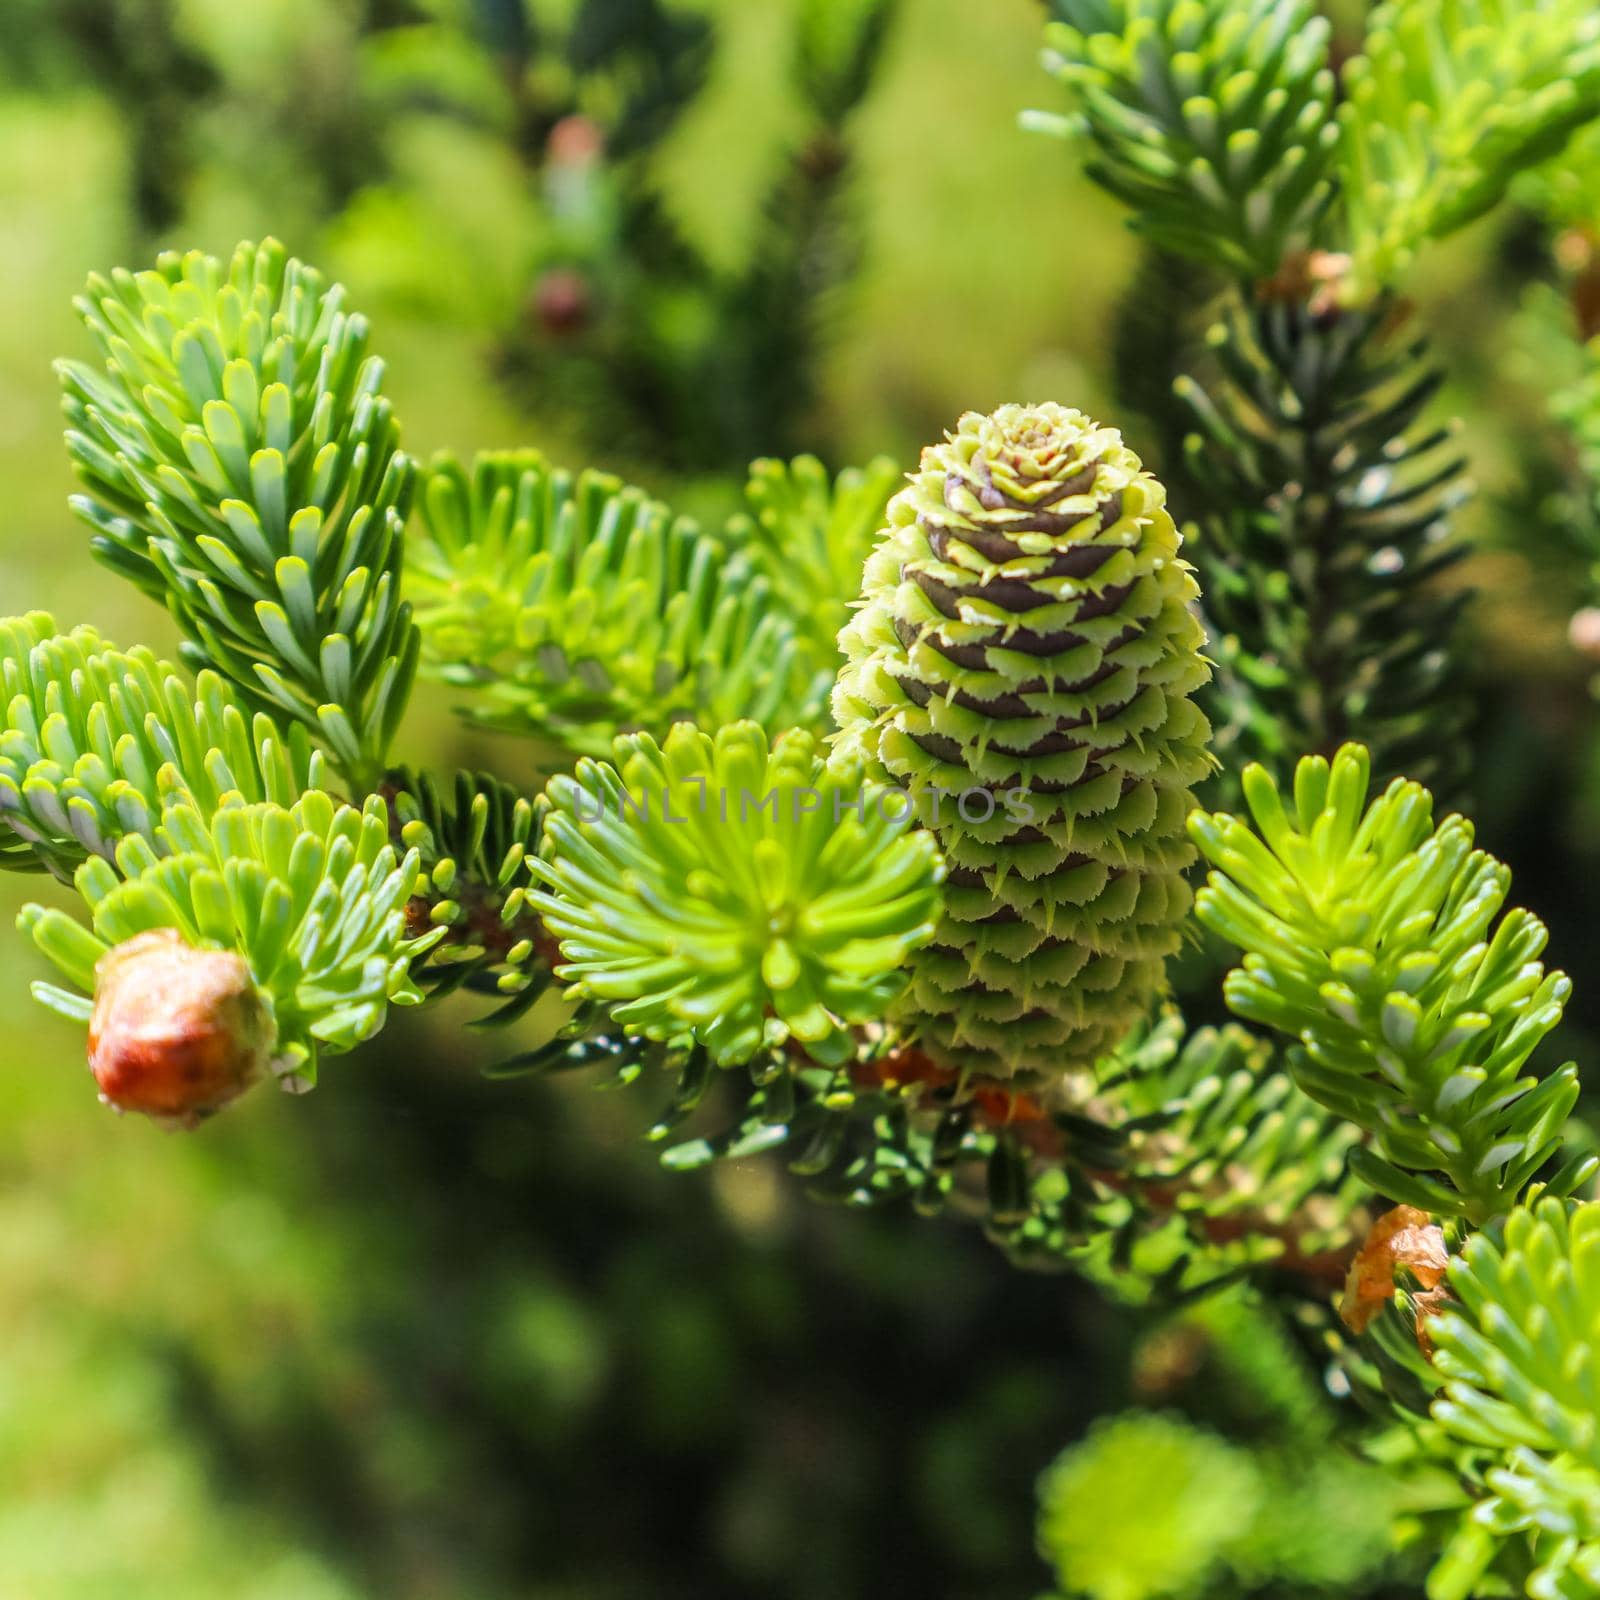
[1404,1237]
[176,1032]
[1027,649]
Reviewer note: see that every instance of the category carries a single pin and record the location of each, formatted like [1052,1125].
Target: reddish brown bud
[1578,251]
[1583,631]
[1000,1106]
[1313,278]
[419,916]
[902,1069]
[176,1032]
[1403,1237]
[562,301]
[575,141]
[1426,1306]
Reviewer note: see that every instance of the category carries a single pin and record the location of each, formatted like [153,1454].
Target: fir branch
[96,743]
[1448,102]
[312,897]
[1323,505]
[1211,119]
[1558,326]
[810,536]
[1219,1133]
[1171,1503]
[139,57]
[576,608]
[838,50]
[473,842]
[1375,940]
[807,242]
[1215,120]
[1190,1158]
[689,363]
[642,60]
[1178,1511]
[1179,1163]
[243,468]
[718,891]
[1518,1349]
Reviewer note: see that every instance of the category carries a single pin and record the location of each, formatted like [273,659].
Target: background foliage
[445,1335]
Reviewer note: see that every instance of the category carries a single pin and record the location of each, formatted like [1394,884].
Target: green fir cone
[1026,643]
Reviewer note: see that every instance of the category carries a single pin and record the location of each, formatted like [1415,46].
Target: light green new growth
[1374,939]
[312,896]
[1145,1508]
[96,743]
[1023,662]
[1565,191]
[811,536]
[1212,119]
[1150,1507]
[1519,1354]
[714,889]
[1450,100]
[577,607]
[244,469]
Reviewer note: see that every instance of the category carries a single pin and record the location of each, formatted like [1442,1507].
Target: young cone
[1026,631]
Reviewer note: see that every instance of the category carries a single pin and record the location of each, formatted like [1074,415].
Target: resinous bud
[177,1032]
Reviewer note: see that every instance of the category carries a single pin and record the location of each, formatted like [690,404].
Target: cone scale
[1026,629]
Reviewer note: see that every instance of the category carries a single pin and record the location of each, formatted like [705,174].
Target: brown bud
[575,141]
[419,916]
[562,301]
[1583,632]
[823,157]
[1425,1306]
[1403,1237]
[176,1032]
[1578,251]
[1168,1359]
[1313,278]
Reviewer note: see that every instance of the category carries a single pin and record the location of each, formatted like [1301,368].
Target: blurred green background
[424,1334]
